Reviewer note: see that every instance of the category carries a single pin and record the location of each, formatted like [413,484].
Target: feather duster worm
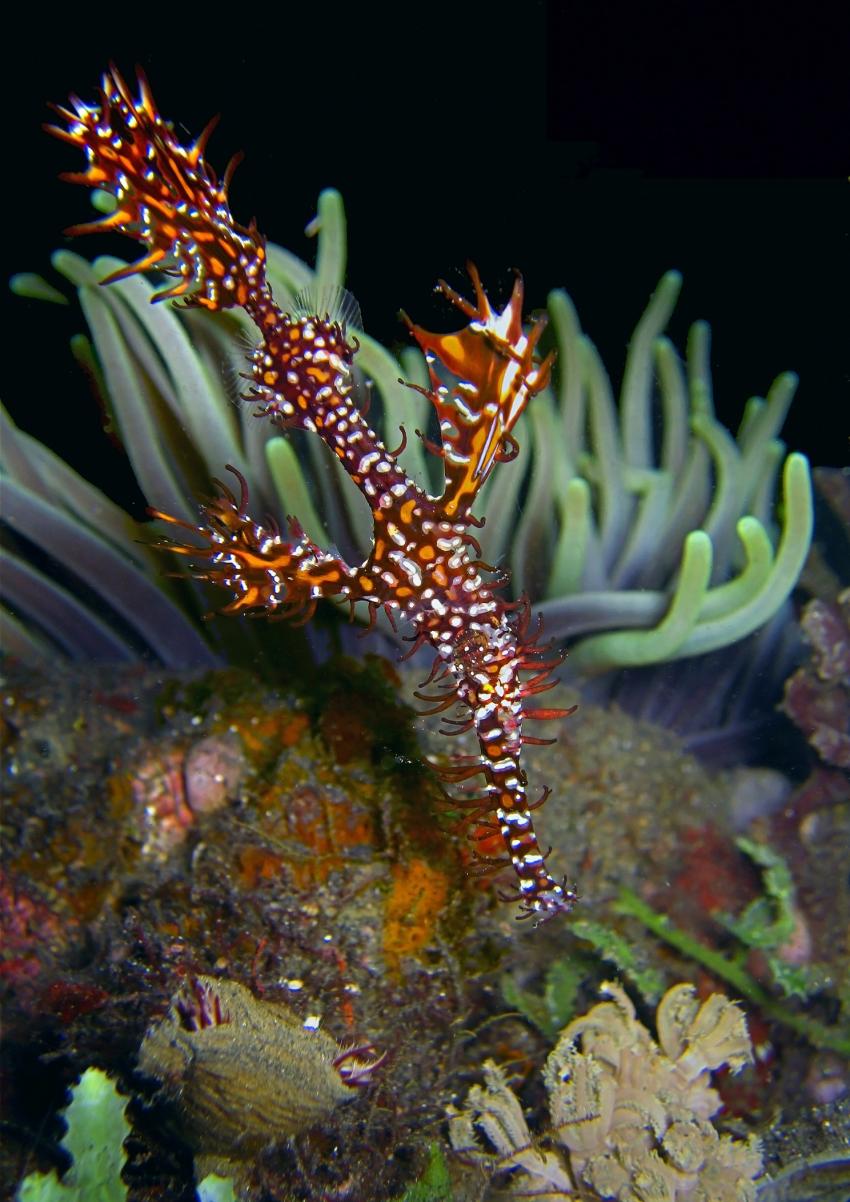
[424,564]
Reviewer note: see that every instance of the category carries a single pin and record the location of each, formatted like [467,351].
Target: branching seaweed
[731,970]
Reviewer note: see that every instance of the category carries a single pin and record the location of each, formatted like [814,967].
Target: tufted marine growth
[424,562]
[631,1117]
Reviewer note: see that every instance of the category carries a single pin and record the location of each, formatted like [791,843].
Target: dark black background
[591,145]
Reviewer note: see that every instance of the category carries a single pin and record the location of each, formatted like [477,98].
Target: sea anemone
[645,533]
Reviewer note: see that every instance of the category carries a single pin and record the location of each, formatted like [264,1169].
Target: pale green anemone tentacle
[127,589]
[574,538]
[403,406]
[82,349]
[765,418]
[654,490]
[135,406]
[764,488]
[762,431]
[752,409]
[532,535]
[691,498]
[783,575]
[499,499]
[144,365]
[35,287]
[631,648]
[728,486]
[34,466]
[606,465]
[80,632]
[293,494]
[287,274]
[15,458]
[332,253]
[199,401]
[674,401]
[570,377]
[21,642]
[594,611]
[544,427]
[692,491]
[758,553]
[635,408]
[699,364]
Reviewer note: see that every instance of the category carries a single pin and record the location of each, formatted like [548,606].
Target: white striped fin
[331,303]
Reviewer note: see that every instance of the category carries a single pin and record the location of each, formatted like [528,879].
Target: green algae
[97,1128]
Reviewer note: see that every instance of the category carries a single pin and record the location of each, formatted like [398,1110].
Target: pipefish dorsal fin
[329,302]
